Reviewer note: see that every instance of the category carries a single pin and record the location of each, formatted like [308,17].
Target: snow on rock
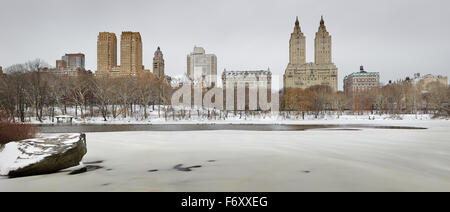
[42,155]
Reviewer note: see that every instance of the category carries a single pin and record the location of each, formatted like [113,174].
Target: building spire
[297,26]
[322,26]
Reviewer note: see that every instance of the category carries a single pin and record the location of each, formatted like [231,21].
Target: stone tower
[322,44]
[106,52]
[131,53]
[297,46]
[158,64]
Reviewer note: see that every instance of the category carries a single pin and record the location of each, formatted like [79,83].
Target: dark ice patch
[180,167]
[85,169]
[93,162]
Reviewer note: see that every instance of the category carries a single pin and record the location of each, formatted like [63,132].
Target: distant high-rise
[71,61]
[158,64]
[106,52]
[131,53]
[70,65]
[202,67]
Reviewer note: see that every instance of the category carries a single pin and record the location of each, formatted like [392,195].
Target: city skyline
[396,39]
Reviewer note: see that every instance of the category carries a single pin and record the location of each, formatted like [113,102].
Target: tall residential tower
[202,67]
[106,52]
[131,53]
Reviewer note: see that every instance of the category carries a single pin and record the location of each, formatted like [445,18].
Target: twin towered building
[299,73]
[130,56]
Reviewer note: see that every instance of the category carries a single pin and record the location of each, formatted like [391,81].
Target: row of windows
[365,80]
[365,84]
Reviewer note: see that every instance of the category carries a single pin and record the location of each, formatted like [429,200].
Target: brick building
[361,81]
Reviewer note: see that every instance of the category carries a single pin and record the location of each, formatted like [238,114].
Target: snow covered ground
[154,116]
[274,118]
[312,160]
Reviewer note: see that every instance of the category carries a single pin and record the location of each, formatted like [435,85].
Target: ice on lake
[231,160]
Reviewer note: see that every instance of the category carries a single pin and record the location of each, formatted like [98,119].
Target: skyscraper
[158,64]
[131,53]
[300,74]
[202,67]
[106,52]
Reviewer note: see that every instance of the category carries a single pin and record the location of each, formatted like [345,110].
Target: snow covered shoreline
[204,115]
[270,119]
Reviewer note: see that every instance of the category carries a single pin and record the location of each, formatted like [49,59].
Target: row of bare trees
[406,98]
[397,98]
[28,91]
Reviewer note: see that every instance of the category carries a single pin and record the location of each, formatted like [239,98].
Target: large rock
[42,155]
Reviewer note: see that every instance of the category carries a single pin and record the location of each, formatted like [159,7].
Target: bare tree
[103,91]
[37,88]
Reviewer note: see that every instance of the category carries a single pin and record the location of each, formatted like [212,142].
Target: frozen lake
[352,158]
[77,128]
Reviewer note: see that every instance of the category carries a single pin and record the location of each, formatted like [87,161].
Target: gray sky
[396,38]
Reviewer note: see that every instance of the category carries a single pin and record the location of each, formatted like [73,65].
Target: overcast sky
[396,38]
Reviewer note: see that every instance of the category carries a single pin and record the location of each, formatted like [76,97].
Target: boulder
[42,155]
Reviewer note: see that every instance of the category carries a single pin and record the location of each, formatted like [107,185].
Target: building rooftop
[75,54]
[361,72]
[198,50]
[250,72]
